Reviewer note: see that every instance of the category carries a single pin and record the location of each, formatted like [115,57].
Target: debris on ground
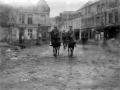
[113,43]
[9,50]
[35,66]
[14,58]
[4,44]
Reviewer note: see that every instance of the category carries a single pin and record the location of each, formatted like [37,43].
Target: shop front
[112,32]
[100,34]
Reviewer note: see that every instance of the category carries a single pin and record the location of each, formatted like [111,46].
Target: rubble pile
[4,44]
[6,54]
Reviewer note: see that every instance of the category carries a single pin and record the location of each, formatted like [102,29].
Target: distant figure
[64,39]
[84,38]
[40,36]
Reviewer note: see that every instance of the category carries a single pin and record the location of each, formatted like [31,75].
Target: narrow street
[35,68]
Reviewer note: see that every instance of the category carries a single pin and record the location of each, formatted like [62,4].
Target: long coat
[71,34]
[54,32]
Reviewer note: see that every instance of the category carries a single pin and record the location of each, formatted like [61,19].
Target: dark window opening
[30,19]
[110,18]
[116,16]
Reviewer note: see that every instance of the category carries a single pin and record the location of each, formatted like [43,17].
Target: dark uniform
[64,34]
[84,37]
[71,34]
[54,32]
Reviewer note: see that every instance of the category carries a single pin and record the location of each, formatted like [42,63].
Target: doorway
[21,35]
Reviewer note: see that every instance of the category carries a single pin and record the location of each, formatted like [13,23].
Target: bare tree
[5,17]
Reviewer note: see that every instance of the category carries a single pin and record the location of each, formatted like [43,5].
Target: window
[98,20]
[113,3]
[30,33]
[98,8]
[110,18]
[116,16]
[83,22]
[43,16]
[110,3]
[93,21]
[103,7]
[21,18]
[103,20]
[30,17]
[116,2]
[89,9]
[88,21]
[85,10]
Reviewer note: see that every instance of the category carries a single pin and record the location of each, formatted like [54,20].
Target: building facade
[100,19]
[89,12]
[73,19]
[26,20]
[112,29]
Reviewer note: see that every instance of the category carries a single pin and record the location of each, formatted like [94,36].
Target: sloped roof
[67,12]
[89,3]
[41,6]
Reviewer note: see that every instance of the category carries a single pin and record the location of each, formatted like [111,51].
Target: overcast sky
[56,6]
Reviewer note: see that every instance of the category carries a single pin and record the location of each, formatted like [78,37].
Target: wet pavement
[35,68]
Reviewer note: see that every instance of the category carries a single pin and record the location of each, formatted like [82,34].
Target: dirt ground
[35,68]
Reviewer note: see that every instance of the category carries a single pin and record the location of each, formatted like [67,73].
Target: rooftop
[89,3]
[41,6]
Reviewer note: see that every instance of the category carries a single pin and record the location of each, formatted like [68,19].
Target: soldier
[71,33]
[64,35]
[55,31]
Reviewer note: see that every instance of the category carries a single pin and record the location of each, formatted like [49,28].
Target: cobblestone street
[35,68]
